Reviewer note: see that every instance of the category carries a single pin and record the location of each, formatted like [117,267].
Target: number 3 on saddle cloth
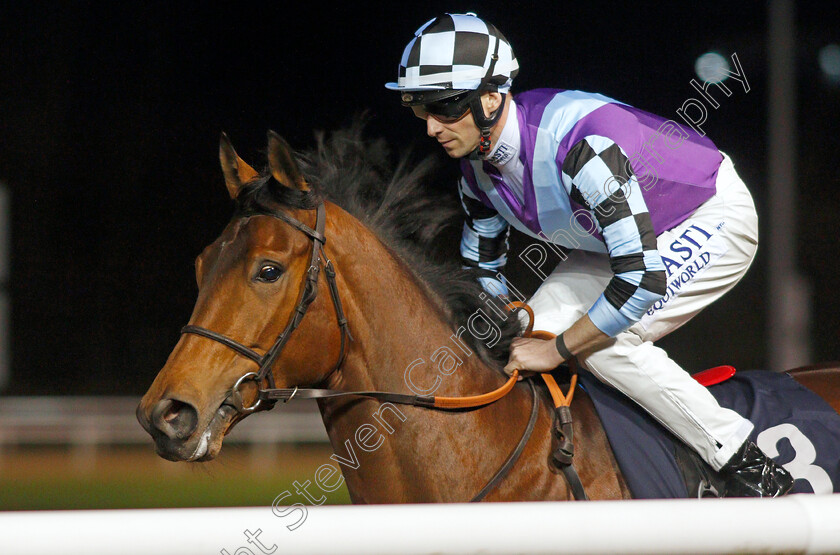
[792,424]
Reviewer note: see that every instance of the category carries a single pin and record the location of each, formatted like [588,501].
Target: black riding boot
[751,473]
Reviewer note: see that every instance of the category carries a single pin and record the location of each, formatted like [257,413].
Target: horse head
[255,283]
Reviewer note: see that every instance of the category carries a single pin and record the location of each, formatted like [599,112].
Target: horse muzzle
[174,426]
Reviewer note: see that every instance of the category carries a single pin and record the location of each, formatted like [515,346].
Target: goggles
[445,110]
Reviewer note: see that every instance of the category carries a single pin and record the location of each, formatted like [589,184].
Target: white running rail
[795,524]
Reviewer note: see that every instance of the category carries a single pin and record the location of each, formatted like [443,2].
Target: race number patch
[793,425]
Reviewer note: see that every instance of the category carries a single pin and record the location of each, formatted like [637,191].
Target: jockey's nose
[174,418]
[433,126]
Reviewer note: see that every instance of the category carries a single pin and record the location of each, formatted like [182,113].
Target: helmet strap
[485,124]
[484,144]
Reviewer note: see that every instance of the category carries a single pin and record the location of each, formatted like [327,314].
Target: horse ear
[282,163]
[237,171]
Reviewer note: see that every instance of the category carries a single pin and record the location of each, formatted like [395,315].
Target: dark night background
[110,116]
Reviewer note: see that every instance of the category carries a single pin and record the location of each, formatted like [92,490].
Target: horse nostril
[174,418]
[142,417]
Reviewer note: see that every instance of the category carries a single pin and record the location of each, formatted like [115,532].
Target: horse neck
[399,331]
[396,320]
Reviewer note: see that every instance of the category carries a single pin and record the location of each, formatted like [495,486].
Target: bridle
[307,295]
[271,394]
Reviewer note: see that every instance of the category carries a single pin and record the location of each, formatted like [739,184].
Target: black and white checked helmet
[455,52]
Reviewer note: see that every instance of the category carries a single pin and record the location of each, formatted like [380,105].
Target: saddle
[793,425]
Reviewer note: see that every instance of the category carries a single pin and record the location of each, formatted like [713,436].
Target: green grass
[143,492]
[138,480]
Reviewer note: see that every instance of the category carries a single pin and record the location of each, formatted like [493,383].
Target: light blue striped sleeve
[484,241]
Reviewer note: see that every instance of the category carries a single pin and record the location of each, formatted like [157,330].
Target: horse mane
[397,205]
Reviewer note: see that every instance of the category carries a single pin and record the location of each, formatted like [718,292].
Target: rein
[562,430]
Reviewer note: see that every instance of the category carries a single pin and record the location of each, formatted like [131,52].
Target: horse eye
[269,273]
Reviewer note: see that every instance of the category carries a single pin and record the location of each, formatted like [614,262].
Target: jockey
[650,219]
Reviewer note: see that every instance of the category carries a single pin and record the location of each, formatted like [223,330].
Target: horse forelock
[396,205]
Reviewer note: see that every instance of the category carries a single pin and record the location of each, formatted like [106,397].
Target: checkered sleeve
[598,176]
[484,241]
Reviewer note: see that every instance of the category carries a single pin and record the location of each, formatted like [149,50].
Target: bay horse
[337,219]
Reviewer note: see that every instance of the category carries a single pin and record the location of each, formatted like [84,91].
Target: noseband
[308,294]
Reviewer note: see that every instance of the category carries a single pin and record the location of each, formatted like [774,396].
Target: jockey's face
[460,137]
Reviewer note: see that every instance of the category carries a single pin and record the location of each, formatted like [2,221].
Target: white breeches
[705,257]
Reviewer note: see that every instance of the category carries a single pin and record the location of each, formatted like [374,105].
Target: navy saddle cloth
[792,424]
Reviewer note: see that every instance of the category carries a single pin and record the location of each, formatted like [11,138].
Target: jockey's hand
[532,355]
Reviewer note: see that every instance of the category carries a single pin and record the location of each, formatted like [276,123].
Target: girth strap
[563,456]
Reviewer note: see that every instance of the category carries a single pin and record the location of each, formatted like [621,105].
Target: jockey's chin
[456,148]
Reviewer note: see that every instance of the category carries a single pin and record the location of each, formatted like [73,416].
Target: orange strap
[557,395]
[560,400]
[477,400]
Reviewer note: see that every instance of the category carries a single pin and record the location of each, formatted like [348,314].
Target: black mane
[397,205]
